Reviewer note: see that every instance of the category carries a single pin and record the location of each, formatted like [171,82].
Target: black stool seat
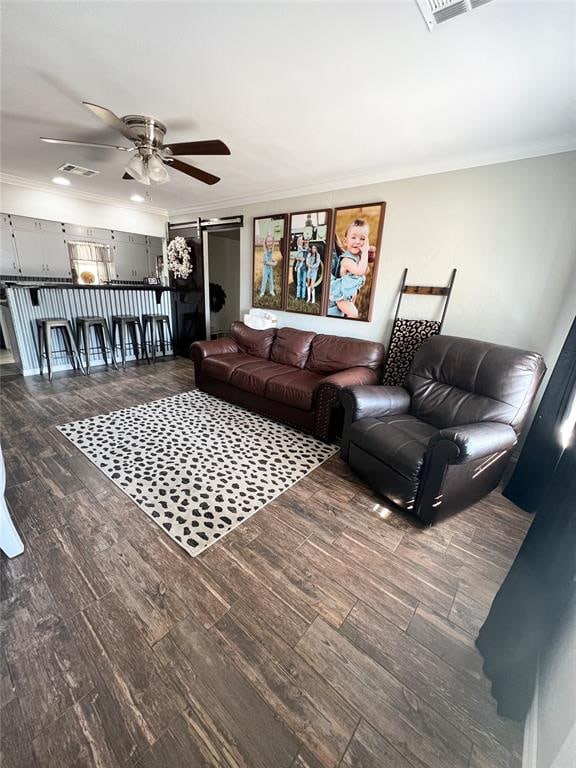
[156,325]
[103,339]
[121,323]
[44,328]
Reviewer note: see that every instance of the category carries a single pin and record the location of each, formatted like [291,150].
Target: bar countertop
[100,286]
[35,287]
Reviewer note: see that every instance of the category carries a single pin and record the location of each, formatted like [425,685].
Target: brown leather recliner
[441,442]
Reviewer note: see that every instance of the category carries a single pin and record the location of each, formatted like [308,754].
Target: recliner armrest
[201,349]
[475,441]
[366,402]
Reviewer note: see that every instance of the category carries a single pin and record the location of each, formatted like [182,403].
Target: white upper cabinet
[42,254]
[130,261]
[128,237]
[26,224]
[92,234]
[39,248]
[8,257]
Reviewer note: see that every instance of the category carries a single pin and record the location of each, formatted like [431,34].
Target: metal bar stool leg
[143,341]
[67,346]
[160,324]
[133,337]
[105,331]
[153,335]
[84,337]
[119,327]
[99,333]
[48,347]
[170,335]
[40,329]
[74,346]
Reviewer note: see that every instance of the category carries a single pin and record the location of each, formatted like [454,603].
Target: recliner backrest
[455,381]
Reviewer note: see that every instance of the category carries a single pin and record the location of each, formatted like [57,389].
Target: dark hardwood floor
[325,631]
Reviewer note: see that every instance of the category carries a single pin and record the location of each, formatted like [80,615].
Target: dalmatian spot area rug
[197,465]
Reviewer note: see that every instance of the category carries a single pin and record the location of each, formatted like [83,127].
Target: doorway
[223,276]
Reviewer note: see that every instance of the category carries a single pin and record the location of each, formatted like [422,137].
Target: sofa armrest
[327,396]
[200,350]
[476,441]
[366,402]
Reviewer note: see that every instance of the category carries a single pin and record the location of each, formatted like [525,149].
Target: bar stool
[132,323]
[102,333]
[156,324]
[44,328]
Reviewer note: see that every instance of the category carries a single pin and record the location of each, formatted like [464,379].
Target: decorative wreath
[179,258]
[217,297]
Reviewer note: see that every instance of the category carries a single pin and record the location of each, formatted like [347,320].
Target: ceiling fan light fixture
[138,169]
[157,171]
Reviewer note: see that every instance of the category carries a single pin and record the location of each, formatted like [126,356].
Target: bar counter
[30,301]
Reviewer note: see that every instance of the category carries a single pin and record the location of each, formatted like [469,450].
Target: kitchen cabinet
[92,234]
[128,237]
[130,261]
[39,226]
[42,254]
[8,257]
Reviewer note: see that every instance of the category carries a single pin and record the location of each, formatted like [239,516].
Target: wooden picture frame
[350,295]
[307,263]
[268,271]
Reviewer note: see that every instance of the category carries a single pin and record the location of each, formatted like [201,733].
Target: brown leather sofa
[441,442]
[290,375]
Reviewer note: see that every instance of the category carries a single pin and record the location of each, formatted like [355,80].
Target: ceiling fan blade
[127,176]
[211,147]
[107,116]
[191,170]
[85,144]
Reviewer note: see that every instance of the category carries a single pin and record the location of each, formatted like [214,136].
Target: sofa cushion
[252,376]
[400,442]
[253,342]
[221,367]
[292,347]
[295,388]
[330,354]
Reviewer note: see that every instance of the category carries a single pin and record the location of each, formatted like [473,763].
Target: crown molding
[375,177]
[78,194]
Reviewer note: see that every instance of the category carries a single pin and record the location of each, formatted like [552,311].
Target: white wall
[550,735]
[23,201]
[509,229]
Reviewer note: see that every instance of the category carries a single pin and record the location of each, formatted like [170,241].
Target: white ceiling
[307,95]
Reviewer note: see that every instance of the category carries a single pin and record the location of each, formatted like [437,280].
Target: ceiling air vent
[437,11]
[77,170]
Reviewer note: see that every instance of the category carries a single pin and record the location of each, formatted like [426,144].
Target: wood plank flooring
[327,630]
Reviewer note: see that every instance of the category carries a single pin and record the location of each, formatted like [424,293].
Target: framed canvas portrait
[268,261]
[307,262]
[355,255]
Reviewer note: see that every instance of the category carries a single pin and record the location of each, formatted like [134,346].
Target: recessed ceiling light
[137,199]
[61,180]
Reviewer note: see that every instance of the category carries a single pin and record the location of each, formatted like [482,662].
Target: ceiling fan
[148,165]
